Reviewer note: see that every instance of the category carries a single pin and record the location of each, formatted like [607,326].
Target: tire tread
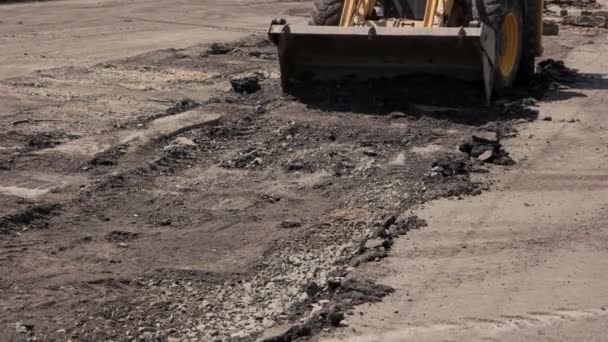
[326,12]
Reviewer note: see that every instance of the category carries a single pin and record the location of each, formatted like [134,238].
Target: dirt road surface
[156,185]
[524,262]
[43,35]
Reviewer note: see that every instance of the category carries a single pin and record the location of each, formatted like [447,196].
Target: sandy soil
[523,262]
[144,199]
[42,35]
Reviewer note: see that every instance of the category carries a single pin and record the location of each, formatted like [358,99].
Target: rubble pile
[486,149]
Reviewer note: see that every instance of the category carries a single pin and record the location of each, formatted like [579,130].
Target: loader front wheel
[505,17]
[326,12]
[509,48]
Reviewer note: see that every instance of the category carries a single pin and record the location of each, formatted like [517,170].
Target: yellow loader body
[361,45]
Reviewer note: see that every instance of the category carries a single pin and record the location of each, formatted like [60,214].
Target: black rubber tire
[492,13]
[326,12]
[527,64]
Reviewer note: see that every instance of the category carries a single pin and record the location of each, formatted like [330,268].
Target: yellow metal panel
[436,12]
[363,10]
[355,12]
[429,13]
[348,10]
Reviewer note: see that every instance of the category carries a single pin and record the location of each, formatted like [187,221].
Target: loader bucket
[332,52]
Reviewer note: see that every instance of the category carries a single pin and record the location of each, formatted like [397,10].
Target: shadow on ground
[592,81]
[441,98]
[444,98]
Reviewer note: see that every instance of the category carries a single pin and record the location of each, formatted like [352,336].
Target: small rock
[393,230]
[246,84]
[374,243]
[380,232]
[478,146]
[259,109]
[370,153]
[219,49]
[370,255]
[386,223]
[550,28]
[122,245]
[183,141]
[182,106]
[120,235]
[294,166]
[267,322]
[238,334]
[312,289]
[334,282]
[315,308]
[23,328]
[406,223]
[485,137]
[290,224]
[20,328]
[165,222]
[548,118]
[335,318]
[329,136]
[486,156]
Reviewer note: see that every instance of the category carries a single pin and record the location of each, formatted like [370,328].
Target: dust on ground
[181,195]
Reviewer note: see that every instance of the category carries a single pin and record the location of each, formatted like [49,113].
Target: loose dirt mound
[487,150]
[33,216]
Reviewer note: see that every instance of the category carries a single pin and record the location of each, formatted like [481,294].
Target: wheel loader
[493,42]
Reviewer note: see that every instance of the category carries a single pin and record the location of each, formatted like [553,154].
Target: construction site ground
[157,185]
